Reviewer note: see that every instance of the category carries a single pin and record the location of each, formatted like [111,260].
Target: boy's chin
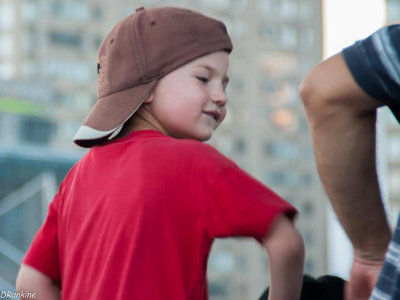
[201,137]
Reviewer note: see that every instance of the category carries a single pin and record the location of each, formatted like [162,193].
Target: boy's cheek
[223,115]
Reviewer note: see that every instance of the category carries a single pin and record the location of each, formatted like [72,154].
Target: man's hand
[363,277]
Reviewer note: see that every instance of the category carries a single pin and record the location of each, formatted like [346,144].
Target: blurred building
[392,132]
[276,43]
[53,44]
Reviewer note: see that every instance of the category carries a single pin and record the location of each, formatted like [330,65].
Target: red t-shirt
[136,218]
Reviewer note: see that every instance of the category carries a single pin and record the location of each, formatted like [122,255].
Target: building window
[7,15]
[393,11]
[67,39]
[288,37]
[29,11]
[97,13]
[307,38]
[36,130]
[283,150]
[239,145]
[307,209]
[217,288]
[217,4]
[242,263]
[222,262]
[270,33]
[74,10]
[394,148]
[29,40]
[8,70]
[309,266]
[288,9]
[235,86]
[284,119]
[278,64]
[238,28]
[73,70]
[394,179]
[7,49]
[306,180]
[239,5]
[308,238]
[281,178]
[306,10]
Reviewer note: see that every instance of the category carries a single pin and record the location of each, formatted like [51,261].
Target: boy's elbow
[21,283]
[34,281]
[285,241]
[291,247]
[295,249]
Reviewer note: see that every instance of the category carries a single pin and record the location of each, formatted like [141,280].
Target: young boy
[136,217]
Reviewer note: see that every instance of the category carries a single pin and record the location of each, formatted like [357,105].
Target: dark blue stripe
[366,67]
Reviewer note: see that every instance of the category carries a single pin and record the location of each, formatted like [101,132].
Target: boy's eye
[202,79]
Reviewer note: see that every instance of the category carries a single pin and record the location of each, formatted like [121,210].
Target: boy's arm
[30,280]
[285,248]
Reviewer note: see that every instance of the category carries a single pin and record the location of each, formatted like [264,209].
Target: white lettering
[17,295]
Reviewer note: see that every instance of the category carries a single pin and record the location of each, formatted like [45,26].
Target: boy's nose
[219,98]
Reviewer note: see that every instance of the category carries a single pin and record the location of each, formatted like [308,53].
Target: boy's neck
[137,123]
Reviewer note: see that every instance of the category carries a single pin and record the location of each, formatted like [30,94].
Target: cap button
[140,8]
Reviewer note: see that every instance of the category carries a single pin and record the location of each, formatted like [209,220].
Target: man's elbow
[307,91]
[313,93]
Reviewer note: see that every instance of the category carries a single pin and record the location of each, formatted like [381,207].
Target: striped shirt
[375,65]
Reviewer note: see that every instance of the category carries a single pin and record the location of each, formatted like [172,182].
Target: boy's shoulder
[189,151]
[193,150]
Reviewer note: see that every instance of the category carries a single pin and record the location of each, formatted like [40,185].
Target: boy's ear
[150,98]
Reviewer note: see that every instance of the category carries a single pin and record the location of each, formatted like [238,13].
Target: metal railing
[44,185]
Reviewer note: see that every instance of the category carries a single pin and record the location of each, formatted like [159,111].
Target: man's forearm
[342,121]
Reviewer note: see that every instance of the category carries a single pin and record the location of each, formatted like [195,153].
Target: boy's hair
[138,51]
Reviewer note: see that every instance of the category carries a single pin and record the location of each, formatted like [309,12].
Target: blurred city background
[48,81]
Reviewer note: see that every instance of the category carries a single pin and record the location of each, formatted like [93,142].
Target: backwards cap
[137,52]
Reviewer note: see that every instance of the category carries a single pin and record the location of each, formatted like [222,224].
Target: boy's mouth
[216,115]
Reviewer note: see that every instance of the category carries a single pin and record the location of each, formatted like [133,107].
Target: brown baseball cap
[138,51]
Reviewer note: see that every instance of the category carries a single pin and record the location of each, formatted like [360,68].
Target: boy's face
[190,101]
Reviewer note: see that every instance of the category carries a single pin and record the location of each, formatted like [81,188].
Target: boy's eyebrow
[211,69]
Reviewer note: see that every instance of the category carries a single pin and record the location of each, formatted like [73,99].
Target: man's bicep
[331,83]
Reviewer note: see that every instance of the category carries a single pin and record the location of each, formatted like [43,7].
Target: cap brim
[109,114]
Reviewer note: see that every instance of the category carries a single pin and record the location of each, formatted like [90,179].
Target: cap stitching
[136,44]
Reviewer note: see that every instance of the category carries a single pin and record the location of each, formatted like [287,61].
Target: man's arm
[342,121]
[285,250]
[30,280]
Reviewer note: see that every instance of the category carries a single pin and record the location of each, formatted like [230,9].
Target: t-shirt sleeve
[240,205]
[43,253]
[375,65]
